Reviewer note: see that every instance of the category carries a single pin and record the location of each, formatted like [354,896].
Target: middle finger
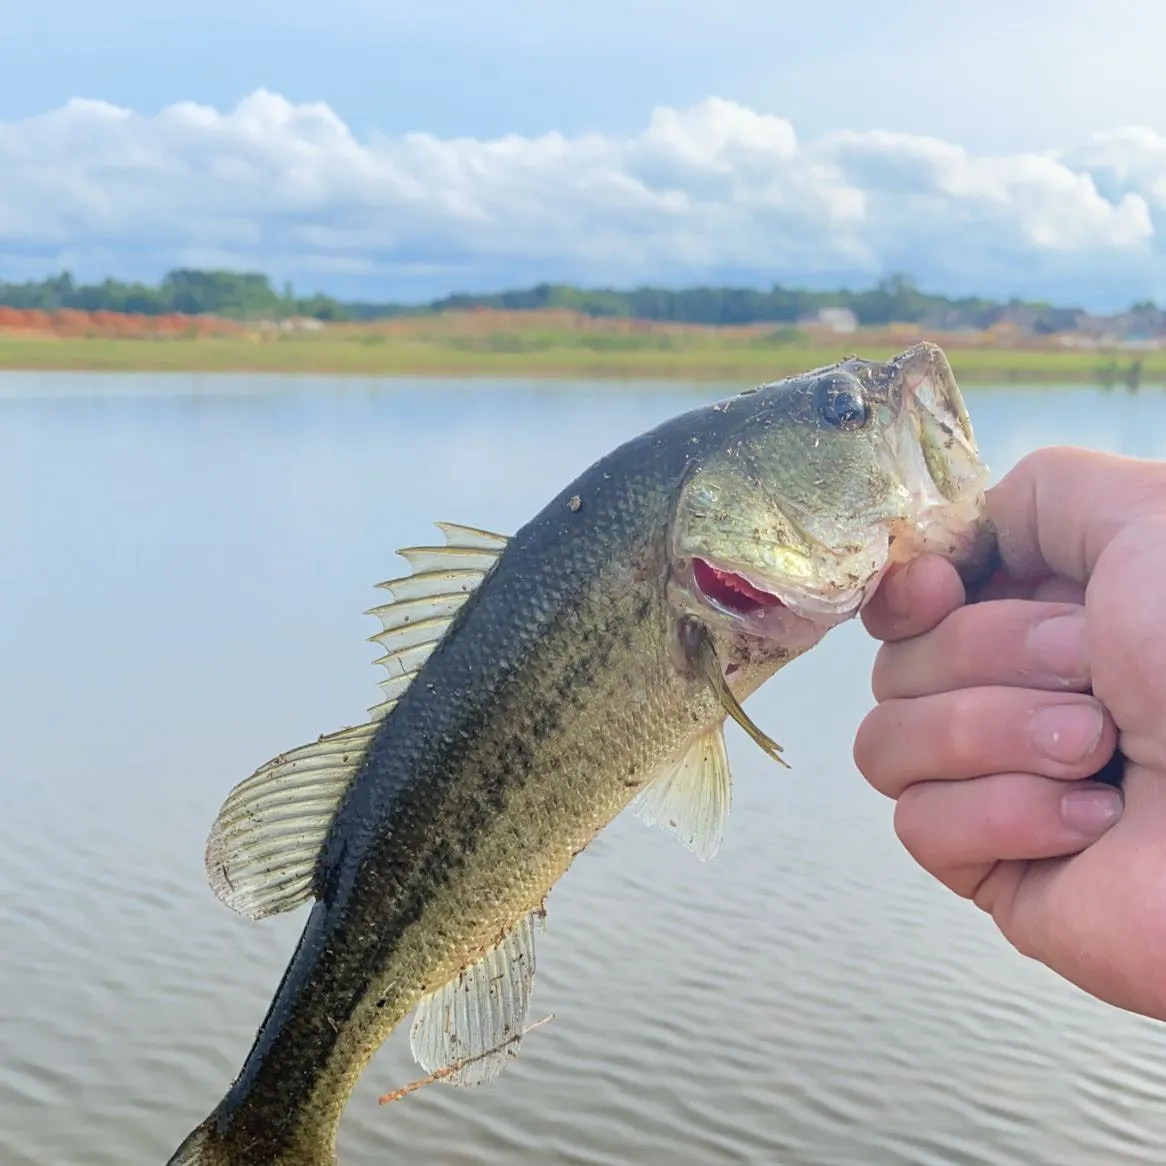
[1013,642]
[973,732]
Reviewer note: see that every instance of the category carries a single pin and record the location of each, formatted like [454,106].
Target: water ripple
[809,998]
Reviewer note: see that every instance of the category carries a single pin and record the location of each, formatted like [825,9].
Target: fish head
[807,489]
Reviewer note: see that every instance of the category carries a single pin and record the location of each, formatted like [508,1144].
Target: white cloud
[716,191]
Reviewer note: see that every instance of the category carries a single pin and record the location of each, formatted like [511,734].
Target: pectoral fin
[702,654]
[690,799]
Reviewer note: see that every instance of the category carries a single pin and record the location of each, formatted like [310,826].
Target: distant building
[837,319]
[301,324]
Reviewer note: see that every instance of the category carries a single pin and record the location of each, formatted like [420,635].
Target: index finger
[912,598]
[1058,509]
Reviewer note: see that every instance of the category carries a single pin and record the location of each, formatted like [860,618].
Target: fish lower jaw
[803,618]
[826,607]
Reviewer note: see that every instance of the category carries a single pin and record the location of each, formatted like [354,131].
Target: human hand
[991,714]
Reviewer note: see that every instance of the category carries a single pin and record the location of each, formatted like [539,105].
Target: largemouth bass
[540,684]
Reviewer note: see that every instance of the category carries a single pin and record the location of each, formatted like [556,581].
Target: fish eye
[841,403]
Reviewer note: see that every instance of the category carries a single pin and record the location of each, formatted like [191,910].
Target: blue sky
[874,96]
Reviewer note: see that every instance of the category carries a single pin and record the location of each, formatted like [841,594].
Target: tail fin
[206,1146]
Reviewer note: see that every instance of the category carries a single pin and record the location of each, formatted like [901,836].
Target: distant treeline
[252,296]
[894,300]
[242,295]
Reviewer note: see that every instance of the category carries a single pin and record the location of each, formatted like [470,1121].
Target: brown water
[183,566]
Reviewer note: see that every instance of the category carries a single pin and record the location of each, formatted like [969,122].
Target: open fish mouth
[731,591]
[761,603]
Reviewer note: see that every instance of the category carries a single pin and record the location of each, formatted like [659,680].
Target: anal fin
[469,1029]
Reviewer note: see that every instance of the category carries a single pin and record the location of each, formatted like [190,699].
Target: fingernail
[1058,647]
[1091,810]
[1067,732]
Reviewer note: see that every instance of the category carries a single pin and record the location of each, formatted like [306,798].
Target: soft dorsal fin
[263,847]
[474,1024]
[691,798]
[262,851]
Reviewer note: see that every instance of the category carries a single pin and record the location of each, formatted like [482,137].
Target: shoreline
[713,360]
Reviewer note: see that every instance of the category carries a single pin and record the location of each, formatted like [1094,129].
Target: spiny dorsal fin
[425,602]
[262,852]
[263,847]
[691,798]
[478,1017]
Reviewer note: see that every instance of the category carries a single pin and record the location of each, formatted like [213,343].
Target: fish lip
[929,386]
[927,364]
[934,430]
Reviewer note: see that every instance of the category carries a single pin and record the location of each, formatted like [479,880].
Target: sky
[390,149]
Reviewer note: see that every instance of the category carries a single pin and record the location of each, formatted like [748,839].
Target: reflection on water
[185,563]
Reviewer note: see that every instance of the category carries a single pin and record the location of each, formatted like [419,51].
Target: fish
[542,683]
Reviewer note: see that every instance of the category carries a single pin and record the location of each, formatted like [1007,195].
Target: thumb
[1059,508]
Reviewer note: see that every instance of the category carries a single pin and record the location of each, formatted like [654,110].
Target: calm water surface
[185,562]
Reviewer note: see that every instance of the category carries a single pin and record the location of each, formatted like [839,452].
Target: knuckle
[1152,477]
[962,647]
[1026,940]
[960,736]
[999,812]
[995,896]
[878,748]
[1048,457]
[867,746]
[884,677]
[1051,462]
[910,821]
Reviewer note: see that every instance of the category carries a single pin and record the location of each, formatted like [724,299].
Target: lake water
[185,563]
